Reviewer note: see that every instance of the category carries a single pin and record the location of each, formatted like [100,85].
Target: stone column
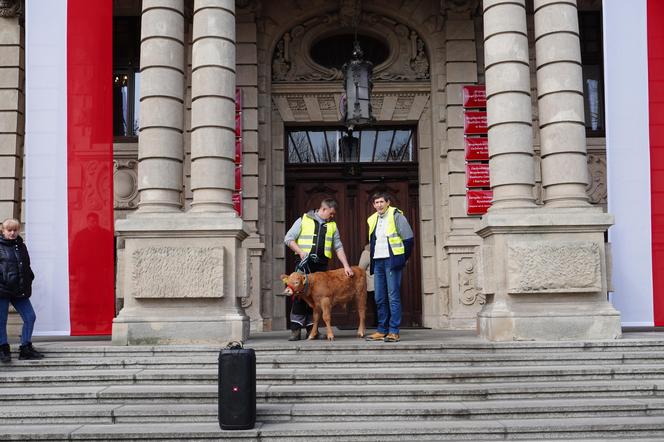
[560,100]
[160,142]
[508,104]
[186,273]
[213,106]
[544,268]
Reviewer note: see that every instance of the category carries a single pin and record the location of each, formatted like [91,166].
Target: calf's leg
[313,334]
[327,317]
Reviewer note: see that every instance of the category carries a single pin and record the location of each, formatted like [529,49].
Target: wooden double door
[352,186]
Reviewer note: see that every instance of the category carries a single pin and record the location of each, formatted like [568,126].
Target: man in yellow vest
[391,239]
[314,235]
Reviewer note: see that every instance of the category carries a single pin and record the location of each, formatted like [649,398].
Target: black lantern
[349,148]
[356,105]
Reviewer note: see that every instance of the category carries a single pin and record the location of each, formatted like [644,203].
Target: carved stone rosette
[125,188]
[407,60]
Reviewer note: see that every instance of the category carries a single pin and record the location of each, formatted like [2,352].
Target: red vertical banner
[90,166]
[655,17]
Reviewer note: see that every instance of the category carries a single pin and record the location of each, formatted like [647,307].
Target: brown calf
[324,290]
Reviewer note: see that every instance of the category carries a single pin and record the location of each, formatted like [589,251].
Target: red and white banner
[68,164]
[634,85]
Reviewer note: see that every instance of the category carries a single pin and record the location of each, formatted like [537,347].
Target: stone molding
[407,61]
[157,272]
[554,267]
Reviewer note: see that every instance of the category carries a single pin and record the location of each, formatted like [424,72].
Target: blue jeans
[387,288]
[24,308]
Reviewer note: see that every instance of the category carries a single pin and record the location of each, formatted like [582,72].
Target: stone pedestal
[183,280]
[545,276]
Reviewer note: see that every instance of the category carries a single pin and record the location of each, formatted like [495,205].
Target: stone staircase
[430,386]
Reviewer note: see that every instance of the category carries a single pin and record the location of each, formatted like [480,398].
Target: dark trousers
[301,314]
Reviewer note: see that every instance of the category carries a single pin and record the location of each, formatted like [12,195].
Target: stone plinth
[183,278]
[545,276]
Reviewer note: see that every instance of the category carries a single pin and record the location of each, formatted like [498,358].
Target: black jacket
[15,273]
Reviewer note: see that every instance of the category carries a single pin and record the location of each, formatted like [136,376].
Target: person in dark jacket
[15,288]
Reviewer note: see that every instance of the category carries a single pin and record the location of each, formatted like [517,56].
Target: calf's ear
[284,278]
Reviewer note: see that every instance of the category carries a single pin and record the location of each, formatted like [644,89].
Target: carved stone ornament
[158,272]
[11,8]
[470,294]
[407,60]
[554,267]
[458,6]
[596,189]
[125,184]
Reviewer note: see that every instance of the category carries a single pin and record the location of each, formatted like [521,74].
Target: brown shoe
[391,337]
[378,336]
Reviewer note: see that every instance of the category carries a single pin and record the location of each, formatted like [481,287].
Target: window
[126,77]
[374,145]
[590,29]
[335,51]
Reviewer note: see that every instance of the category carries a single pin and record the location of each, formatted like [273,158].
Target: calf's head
[295,283]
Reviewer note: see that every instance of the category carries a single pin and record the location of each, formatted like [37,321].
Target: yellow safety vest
[306,239]
[393,238]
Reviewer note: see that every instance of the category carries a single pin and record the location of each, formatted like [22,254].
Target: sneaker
[5,353]
[391,337]
[378,336]
[27,351]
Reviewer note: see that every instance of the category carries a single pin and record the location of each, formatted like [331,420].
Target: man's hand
[349,271]
[302,254]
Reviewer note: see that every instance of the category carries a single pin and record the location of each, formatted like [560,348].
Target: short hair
[330,202]
[386,196]
[11,224]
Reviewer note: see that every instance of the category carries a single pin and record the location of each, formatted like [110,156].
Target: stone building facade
[174,182]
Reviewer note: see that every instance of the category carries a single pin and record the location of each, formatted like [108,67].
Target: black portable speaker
[237,388]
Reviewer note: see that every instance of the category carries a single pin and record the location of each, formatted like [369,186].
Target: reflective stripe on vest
[306,239]
[393,238]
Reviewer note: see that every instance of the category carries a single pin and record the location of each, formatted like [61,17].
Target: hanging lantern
[356,104]
[349,148]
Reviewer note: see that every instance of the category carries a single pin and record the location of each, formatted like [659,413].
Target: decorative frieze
[554,267]
[158,272]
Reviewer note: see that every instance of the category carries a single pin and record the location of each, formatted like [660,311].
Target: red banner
[478,201]
[477,175]
[474,96]
[475,123]
[477,149]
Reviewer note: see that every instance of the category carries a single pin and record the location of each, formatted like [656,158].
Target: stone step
[393,359]
[619,428]
[340,393]
[323,376]
[379,411]
[351,346]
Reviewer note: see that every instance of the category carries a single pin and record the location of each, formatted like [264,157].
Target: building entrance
[352,183]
